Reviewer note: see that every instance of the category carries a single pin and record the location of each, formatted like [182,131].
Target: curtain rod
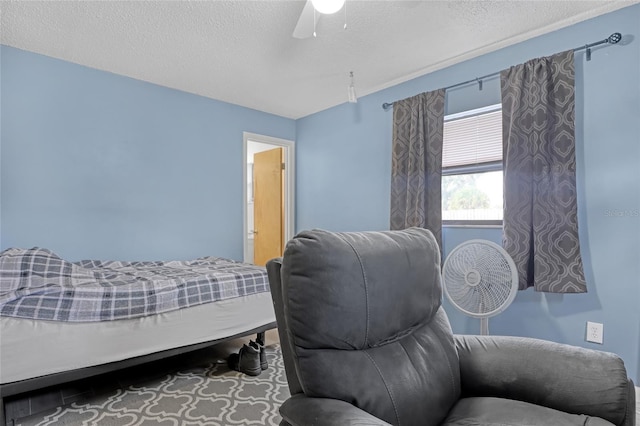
[612,39]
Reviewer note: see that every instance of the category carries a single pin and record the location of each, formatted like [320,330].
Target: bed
[62,321]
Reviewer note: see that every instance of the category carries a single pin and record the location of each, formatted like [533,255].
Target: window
[472,167]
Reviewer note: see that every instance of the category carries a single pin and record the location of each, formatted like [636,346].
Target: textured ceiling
[243,52]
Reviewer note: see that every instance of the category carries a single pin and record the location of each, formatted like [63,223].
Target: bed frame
[29,385]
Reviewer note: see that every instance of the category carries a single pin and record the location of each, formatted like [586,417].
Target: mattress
[33,348]
[38,284]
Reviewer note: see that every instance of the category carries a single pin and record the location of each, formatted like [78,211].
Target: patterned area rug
[211,395]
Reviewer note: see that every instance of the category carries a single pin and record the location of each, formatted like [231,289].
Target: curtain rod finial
[614,38]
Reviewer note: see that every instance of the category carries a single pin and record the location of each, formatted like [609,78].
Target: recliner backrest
[363,316]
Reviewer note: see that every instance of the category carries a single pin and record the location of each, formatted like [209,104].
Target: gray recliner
[365,341]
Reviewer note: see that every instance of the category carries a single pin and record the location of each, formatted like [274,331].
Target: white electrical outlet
[595,332]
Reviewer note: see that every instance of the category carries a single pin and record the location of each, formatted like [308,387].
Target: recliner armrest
[564,377]
[301,410]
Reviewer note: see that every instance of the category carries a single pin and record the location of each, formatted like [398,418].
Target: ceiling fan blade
[304,27]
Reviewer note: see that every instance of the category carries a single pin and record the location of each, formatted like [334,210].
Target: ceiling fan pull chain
[345,15]
[314,22]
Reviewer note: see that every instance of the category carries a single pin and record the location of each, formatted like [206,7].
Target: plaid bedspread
[36,283]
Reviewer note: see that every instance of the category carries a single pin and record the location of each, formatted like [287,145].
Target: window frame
[473,169]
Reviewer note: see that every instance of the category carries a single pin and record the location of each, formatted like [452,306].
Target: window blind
[472,140]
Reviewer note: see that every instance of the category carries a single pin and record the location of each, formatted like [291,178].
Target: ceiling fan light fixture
[327,6]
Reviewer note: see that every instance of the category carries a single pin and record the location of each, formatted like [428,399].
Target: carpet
[211,395]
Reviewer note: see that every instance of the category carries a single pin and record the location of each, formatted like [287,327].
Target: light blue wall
[344,166]
[103,166]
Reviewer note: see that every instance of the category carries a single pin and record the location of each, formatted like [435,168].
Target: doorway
[268,213]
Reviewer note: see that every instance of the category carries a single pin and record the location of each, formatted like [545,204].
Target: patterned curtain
[540,205]
[416,169]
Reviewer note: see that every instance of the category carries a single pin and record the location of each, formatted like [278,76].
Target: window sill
[472,225]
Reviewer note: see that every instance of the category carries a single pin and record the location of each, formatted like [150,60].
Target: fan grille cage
[480,278]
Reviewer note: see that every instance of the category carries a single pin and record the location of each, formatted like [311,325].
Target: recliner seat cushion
[489,411]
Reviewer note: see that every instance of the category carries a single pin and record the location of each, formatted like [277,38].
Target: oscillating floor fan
[480,279]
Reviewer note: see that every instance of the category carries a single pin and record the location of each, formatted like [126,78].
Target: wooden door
[268,205]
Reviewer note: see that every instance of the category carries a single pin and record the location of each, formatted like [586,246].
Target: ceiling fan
[306,26]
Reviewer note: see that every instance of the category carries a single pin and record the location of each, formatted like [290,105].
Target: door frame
[289,185]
